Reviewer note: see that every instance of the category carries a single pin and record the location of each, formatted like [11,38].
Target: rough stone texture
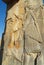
[24,34]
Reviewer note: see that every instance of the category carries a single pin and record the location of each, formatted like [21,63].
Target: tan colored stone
[24,34]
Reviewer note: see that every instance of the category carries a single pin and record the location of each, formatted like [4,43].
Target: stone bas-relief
[24,34]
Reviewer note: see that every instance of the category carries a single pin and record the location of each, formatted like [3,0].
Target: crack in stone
[34,39]
[15,57]
[38,54]
[17,16]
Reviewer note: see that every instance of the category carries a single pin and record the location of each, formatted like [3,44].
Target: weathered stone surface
[30,45]
[24,34]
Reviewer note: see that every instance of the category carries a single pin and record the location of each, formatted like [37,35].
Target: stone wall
[24,34]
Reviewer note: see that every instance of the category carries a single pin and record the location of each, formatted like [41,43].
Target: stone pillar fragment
[24,37]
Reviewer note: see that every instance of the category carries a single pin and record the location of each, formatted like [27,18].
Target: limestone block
[24,34]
